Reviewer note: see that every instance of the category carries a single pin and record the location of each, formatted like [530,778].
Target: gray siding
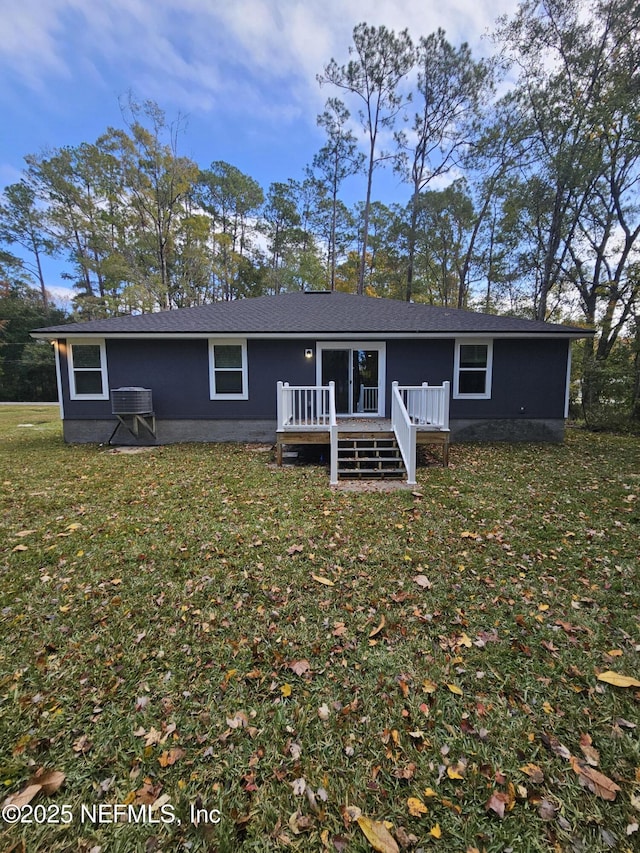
[177,371]
[529,377]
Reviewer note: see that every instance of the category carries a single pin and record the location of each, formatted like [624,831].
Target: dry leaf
[285,690]
[23,797]
[435,831]
[553,744]
[300,667]
[321,579]
[378,835]
[82,744]
[457,771]
[547,810]
[590,752]
[377,630]
[423,581]
[49,780]
[534,773]
[455,689]
[595,781]
[497,803]
[618,680]
[147,794]
[169,757]
[300,823]
[416,807]
[238,721]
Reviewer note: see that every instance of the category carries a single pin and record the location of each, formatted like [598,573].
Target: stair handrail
[405,432]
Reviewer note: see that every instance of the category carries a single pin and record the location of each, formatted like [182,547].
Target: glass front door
[356,373]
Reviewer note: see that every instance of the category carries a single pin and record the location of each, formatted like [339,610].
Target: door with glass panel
[356,372]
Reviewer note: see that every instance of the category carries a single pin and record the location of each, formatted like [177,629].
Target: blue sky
[242,72]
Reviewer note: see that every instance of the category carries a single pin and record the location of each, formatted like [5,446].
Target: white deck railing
[306,406]
[405,431]
[413,407]
[427,405]
[368,399]
[310,407]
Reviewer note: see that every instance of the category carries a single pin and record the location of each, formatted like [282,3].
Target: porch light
[308,353]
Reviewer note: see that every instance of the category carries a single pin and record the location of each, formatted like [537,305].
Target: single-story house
[252,369]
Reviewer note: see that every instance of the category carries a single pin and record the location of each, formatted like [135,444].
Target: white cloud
[195,50]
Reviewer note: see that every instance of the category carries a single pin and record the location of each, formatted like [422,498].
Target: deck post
[280,406]
[445,413]
[333,436]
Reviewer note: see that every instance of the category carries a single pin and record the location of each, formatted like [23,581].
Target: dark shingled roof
[313,313]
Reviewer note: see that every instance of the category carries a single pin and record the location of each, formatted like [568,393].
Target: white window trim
[73,394]
[457,394]
[239,342]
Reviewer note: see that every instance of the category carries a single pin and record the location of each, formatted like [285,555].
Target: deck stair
[370,456]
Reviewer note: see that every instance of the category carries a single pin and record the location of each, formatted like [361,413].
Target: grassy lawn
[192,628]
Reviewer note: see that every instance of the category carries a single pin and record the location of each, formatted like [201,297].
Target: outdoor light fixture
[308,353]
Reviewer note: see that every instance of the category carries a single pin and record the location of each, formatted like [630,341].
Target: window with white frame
[87,362]
[228,370]
[472,370]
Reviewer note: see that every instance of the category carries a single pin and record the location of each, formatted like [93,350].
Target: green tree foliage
[27,367]
[450,90]
[337,160]
[380,61]
[22,222]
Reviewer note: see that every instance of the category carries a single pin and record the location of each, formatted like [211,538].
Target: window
[228,370]
[88,370]
[472,375]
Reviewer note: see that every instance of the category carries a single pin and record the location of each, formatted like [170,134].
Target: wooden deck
[365,428]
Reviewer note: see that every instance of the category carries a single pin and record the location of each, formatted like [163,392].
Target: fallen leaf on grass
[377,630]
[534,773]
[300,667]
[300,823]
[145,795]
[423,581]
[595,781]
[497,803]
[416,807]
[553,745]
[47,781]
[457,771]
[378,835]
[323,580]
[589,751]
[455,689]
[169,757]
[240,720]
[435,831]
[23,797]
[618,680]
[82,745]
